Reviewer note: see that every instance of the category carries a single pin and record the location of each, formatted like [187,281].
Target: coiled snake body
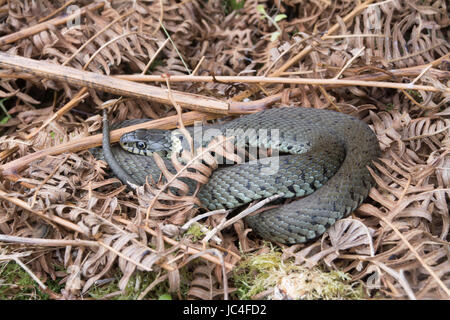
[328,154]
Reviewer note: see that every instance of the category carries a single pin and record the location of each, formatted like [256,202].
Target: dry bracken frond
[396,244]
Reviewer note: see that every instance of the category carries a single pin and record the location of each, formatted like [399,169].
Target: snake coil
[325,162]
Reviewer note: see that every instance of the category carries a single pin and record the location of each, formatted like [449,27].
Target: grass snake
[324,159]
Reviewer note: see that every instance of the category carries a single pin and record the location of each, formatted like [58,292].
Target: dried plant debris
[265,274]
[70,230]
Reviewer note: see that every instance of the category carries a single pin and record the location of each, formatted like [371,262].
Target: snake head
[147,142]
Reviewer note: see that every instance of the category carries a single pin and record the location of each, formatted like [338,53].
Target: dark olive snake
[324,160]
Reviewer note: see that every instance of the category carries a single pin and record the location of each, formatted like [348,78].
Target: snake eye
[141,145]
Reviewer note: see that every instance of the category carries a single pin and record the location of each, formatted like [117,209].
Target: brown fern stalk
[283,80]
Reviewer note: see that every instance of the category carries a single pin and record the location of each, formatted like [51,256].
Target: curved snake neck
[328,155]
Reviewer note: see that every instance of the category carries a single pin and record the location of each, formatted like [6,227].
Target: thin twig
[307,50]
[65,5]
[428,134]
[349,62]
[363,35]
[47,242]
[281,80]
[198,66]
[154,57]
[175,47]
[202,216]
[428,67]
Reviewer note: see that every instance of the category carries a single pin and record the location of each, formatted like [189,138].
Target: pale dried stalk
[349,62]
[363,35]
[428,67]
[198,65]
[179,114]
[283,80]
[65,5]
[47,242]
[154,57]
[202,216]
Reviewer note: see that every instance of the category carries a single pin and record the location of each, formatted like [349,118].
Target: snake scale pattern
[324,160]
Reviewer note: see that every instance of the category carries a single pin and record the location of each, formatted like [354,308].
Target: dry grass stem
[283,80]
